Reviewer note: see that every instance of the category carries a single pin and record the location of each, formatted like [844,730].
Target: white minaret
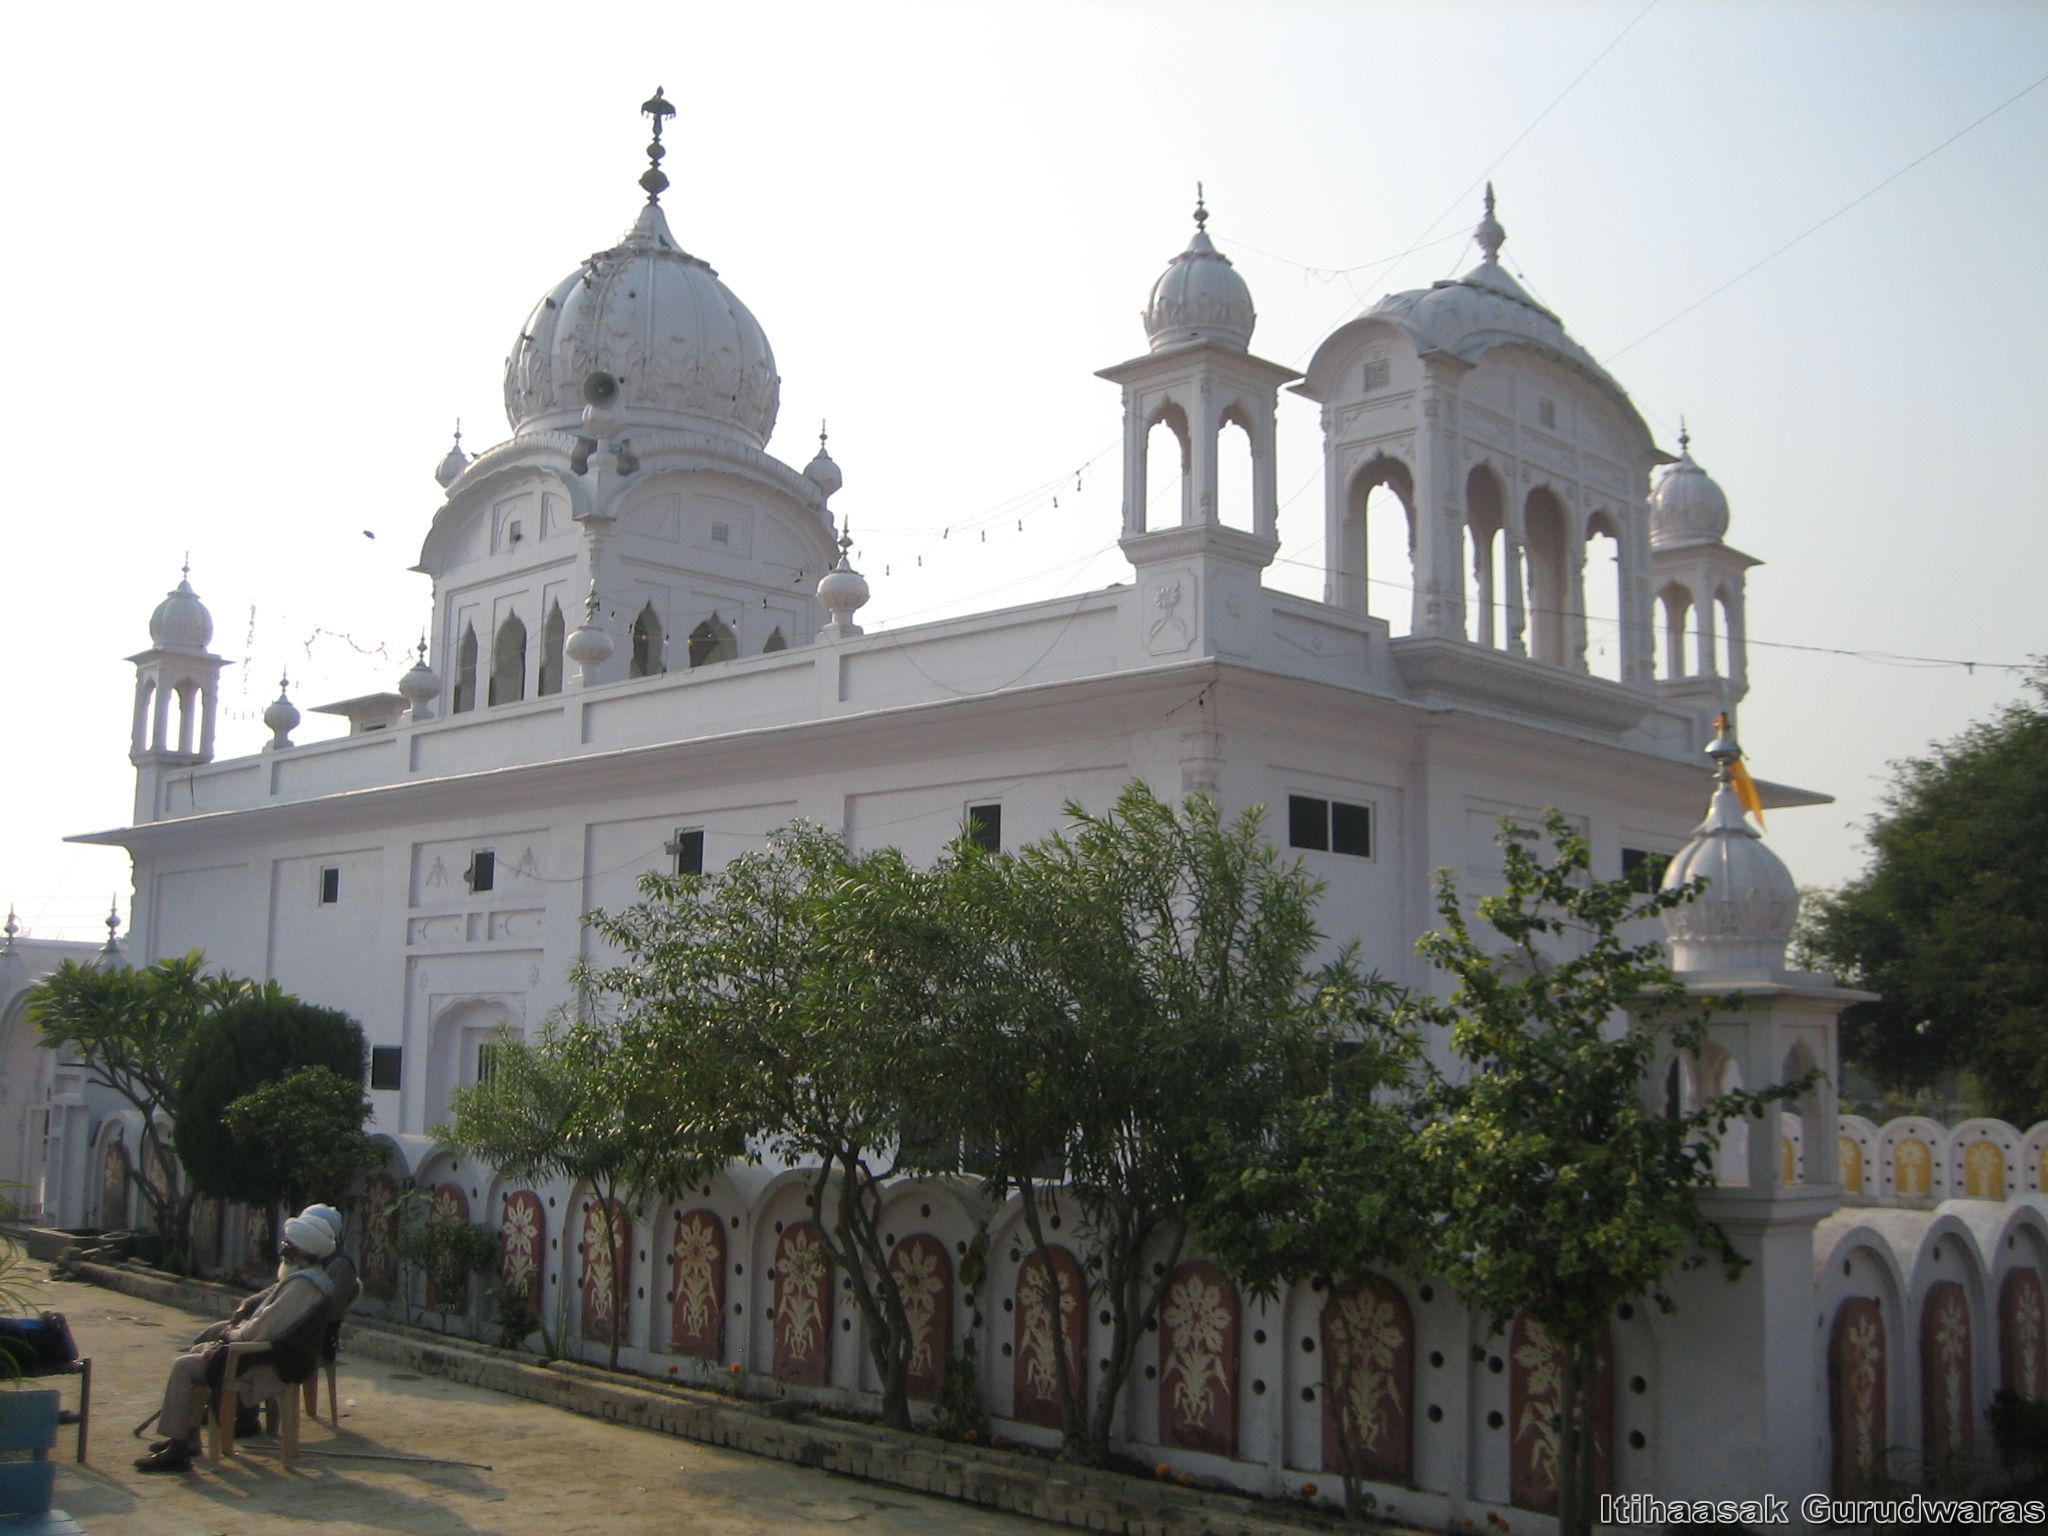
[177,670]
[1697,580]
[1197,378]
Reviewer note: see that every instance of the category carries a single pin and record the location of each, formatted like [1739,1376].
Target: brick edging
[1017,1483]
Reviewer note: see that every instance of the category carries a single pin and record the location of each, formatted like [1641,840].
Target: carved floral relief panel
[607,1239]
[113,1185]
[448,1204]
[1945,1406]
[924,1279]
[697,1301]
[1368,1348]
[1198,1348]
[2023,1335]
[523,1245]
[1912,1167]
[1984,1171]
[1850,1154]
[803,1306]
[1856,1395]
[1536,1366]
[1036,1365]
[380,1236]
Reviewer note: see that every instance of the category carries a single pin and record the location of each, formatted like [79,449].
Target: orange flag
[1745,786]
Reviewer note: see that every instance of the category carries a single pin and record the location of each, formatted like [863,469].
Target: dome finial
[1201,210]
[111,950]
[10,930]
[1684,437]
[657,107]
[1489,234]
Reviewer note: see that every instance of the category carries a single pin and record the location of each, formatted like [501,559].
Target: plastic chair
[330,1350]
[284,1408]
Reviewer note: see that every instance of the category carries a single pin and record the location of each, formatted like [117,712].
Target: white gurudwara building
[428,872]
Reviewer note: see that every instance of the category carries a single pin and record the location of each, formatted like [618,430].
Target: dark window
[1329,826]
[386,1066]
[551,652]
[465,671]
[486,1060]
[985,827]
[1377,373]
[1644,869]
[647,645]
[483,870]
[508,662]
[330,886]
[687,847]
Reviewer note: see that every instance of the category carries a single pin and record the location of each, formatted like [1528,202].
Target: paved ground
[538,1470]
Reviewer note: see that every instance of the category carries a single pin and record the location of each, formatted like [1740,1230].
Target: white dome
[685,351]
[181,622]
[1200,297]
[420,685]
[1742,920]
[282,717]
[588,645]
[823,472]
[1687,507]
[452,464]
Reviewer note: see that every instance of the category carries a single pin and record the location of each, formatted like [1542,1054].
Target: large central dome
[685,351]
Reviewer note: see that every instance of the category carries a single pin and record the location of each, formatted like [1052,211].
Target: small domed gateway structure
[644,654]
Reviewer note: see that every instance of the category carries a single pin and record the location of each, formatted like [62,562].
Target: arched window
[465,671]
[1167,486]
[774,642]
[1234,474]
[1676,605]
[1549,586]
[1376,551]
[551,652]
[712,641]
[1604,582]
[508,662]
[1485,591]
[648,644]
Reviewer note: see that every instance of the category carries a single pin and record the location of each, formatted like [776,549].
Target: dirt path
[543,1471]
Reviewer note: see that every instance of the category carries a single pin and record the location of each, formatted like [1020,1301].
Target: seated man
[292,1316]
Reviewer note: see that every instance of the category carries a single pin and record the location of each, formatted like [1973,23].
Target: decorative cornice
[1452,671]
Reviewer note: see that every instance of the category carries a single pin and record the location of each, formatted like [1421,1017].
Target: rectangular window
[486,1060]
[1546,412]
[1377,373]
[985,827]
[483,870]
[1643,868]
[330,885]
[687,849]
[386,1066]
[721,533]
[1329,826]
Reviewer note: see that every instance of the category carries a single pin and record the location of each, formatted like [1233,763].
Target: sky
[263,258]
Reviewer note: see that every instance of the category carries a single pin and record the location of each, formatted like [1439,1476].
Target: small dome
[420,685]
[821,471]
[181,621]
[282,717]
[588,645]
[685,352]
[1200,297]
[1742,920]
[1686,506]
[843,590]
[452,464]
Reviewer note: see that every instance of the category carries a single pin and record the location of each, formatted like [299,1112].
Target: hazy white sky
[261,258]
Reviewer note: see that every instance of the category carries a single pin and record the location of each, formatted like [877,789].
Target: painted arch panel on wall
[924,1279]
[1856,1395]
[1536,1367]
[523,1246]
[1198,1354]
[607,1228]
[1037,1371]
[1368,1349]
[803,1306]
[697,1300]
[2023,1335]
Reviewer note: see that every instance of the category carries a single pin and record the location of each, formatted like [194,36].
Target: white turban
[310,1237]
[326,1214]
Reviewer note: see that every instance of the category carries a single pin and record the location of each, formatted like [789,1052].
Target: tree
[1949,924]
[248,1069]
[1562,1192]
[780,1008]
[571,1106]
[132,1030]
[1121,999]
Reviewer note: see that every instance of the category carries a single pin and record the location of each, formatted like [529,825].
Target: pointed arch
[1605,596]
[649,645]
[1376,553]
[774,642]
[1674,605]
[465,672]
[1166,464]
[551,635]
[1549,577]
[508,662]
[712,640]
[1485,528]
[1236,452]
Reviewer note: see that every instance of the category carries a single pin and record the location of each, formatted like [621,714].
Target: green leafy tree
[252,1064]
[1331,1186]
[1123,998]
[1562,1191]
[132,1030]
[782,1007]
[569,1106]
[1949,923]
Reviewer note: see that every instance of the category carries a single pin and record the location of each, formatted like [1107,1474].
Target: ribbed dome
[181,622]
[1687,507]
[1200,297]
[1743,919]
[685,351]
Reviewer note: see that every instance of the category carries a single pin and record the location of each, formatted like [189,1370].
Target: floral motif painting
[1850,1152]
[1945,1406]
[1856,1395]
[803,1306]
[2023,1335]
[523,1245]
[924,1279]
[1368,1354]
[1912,1167]
[1536,1364]
[380,1236]
[1036,1377]
[696,1323]
[447,1203]
[605,1227]
[1198,1328]
[1984,1171]
[113,1184]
